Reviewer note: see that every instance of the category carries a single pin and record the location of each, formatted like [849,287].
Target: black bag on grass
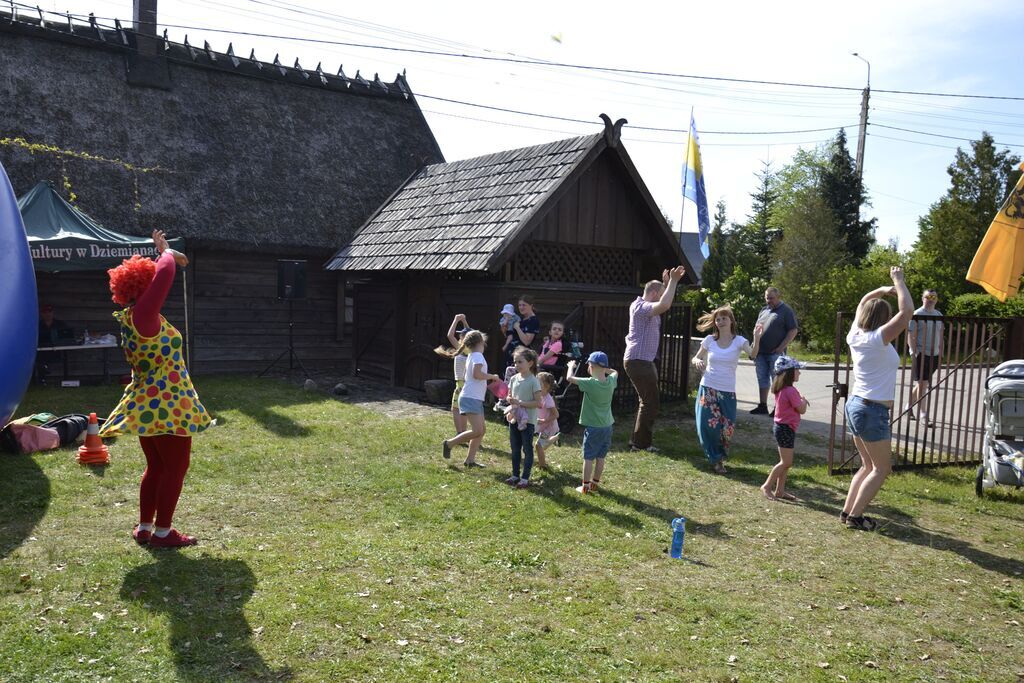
[69,427]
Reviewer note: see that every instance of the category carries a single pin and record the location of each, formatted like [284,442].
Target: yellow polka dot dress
[160,399]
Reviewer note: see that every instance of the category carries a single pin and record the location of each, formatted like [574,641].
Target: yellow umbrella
[999,262]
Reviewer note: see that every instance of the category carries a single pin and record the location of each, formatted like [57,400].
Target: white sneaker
[546,441]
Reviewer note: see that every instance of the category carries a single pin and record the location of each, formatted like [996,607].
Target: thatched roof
[471,215]
[237,151]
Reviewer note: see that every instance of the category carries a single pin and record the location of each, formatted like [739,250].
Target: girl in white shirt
[459,327]
[471,399]
[875,364]
[717,358]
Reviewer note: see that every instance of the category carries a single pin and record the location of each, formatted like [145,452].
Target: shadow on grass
[203,598]
[97,470]
[559,487]
[260,400]
[893,523]
[24,499]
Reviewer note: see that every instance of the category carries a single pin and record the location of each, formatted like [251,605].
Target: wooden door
[425,323]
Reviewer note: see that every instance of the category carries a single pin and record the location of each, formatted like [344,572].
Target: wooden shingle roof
[463,214]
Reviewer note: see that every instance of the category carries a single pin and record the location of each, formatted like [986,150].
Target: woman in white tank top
[875,364]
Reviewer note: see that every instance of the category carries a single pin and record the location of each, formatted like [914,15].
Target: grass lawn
[337,545]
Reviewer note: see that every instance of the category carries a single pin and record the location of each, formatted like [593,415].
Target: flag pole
[686,168]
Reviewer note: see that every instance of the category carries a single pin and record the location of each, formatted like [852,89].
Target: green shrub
[985,306]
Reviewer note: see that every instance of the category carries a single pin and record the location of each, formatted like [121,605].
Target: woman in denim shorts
[875,363]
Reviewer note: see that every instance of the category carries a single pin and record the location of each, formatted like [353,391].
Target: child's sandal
[593,485]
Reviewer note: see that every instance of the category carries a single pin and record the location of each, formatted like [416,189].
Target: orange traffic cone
[93,452]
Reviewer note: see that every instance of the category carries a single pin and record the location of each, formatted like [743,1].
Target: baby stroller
[1003,456]
[568,401]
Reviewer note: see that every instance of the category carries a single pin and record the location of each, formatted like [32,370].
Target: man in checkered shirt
[642,348]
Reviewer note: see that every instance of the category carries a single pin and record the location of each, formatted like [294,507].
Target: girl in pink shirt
[547,417]
[789,406]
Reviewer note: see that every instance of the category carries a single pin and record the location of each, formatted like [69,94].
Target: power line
[683,130]
[913,142]
[652,128]
[567,65]
[939,135]
[627,139]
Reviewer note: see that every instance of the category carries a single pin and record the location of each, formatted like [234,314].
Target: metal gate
[954,401]
[604,328]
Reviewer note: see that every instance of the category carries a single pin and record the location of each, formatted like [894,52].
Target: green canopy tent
[62,238]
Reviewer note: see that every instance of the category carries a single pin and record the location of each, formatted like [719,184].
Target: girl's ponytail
[468,342]
[782,380]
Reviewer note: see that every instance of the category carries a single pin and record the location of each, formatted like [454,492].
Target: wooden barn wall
[236,322]
[597,210]
[239,325]
[81,299]
[376,322]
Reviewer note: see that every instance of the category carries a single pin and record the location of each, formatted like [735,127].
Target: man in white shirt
[924,340]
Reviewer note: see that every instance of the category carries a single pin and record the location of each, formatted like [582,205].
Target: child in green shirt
[595,416]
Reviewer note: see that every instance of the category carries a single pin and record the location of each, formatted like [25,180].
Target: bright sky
[939,46]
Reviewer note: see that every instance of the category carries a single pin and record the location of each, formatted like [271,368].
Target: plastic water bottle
[678,537]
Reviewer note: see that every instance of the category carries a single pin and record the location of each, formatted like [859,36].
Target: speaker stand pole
[293,358]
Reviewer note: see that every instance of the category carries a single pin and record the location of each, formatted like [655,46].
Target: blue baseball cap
[598,358]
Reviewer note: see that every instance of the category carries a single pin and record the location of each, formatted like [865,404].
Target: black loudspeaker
[291,280]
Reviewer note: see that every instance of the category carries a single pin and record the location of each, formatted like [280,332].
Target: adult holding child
[524,330]
[875,366]
[642,342]
[717,358]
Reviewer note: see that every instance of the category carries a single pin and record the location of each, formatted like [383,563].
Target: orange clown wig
[130,279]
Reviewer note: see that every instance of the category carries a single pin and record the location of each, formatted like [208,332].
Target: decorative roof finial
[612,131]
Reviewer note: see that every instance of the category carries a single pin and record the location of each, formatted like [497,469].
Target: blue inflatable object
[19,309]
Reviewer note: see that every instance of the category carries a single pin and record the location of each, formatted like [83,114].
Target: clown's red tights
[167,459]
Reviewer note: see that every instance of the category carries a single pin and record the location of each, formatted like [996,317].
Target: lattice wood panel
[554,262]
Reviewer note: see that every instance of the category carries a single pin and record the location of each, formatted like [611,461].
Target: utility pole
[865,96]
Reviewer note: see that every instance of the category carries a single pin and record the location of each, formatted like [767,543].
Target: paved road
[957,408]
[812,385]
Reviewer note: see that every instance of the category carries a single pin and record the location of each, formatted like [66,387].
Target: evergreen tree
[844,193]
[716,269]
[758,236]
[811,245]
[949,234]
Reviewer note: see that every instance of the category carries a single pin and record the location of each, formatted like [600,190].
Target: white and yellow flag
[999,262]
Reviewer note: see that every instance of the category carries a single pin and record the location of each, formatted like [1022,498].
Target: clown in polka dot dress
[160,398]
[160,405]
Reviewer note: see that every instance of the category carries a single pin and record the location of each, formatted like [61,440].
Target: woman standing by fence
[875,364]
